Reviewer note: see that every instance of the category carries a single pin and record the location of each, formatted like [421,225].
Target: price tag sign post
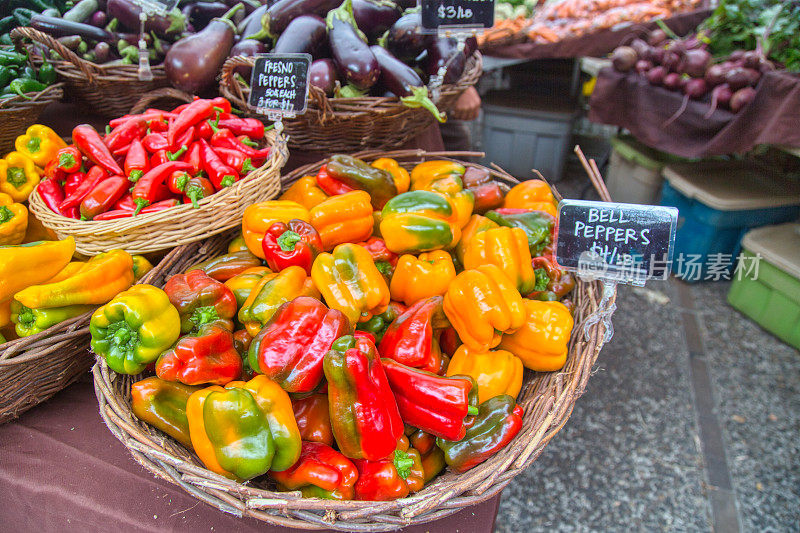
[615,243]
[149,8]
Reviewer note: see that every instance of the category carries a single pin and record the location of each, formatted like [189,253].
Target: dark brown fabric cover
[63,470]
[594,45]
[628,101]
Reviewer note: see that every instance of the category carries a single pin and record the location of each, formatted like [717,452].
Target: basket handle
[86,67]
[228,80]
[167,92]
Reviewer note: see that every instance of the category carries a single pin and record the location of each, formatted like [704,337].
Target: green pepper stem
[288,240]
[419,98]
[141,203]
[135,175]
[472,410]
[16,177]
[5,214]
[403,463]
[172,156]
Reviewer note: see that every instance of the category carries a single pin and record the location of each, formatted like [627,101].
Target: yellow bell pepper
[141,266]
[40,144]
[101,279]
[28,264]
[507,249]
[13,220]
[417,278]
[476,224]
[350,282]
[18,176]
[343,218]
[542,342]
[237,244]
[242,284]
[5,313]
[481,304]
[531,194]
[419,221]
[400,175]
[496,372]
[305,192]
[272,291]
[444,177]
[259,217]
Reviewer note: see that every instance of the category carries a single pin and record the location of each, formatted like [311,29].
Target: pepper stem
[172,156]
[26,316]
[419,98]
[203,315]
[135,175]
[141,203]
[247,166]
[5,214]
[227,181]
[403,463]
[288,240]
[34,144]
[472,410]
[64,160]
[16,177]
[194,194]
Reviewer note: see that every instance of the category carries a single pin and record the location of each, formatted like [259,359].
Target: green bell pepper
[537,225]
[32,321]
[162,404]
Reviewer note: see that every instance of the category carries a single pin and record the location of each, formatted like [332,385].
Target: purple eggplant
[374,17]
[305,34]
[400,79]
[322,74]
[127,12]
[199,14]
[444,52]
[193,62]
[251,24]
[281,13]
[405,38]
[58,27]
[248,48]
[98,19]
[350,49]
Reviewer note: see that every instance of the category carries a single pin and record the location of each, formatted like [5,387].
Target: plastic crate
[719,202]
[522,132]
[634,172]
[770,292]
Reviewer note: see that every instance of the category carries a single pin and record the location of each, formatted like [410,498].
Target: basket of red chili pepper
[381,379]
[158,179]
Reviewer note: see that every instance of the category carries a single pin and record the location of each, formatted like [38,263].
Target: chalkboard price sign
[279,84]
[441,14]
[621,242]
[160,7]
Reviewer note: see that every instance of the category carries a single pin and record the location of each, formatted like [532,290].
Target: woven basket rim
[48,95]
[546,412]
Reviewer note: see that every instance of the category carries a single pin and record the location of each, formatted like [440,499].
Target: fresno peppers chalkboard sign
[279,84]
[622,242]
[441,14]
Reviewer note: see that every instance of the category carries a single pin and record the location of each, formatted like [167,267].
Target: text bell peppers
[481,304]
[402,180]
[291,347]
[224,267]
[259,217]
[134,328]
[507,249]
[410,340]
[419,221]
[392,477]
[32,263]
[359,175]
[293,243]
[378,324]
[13,221]
[350,282]
[444,177]
[245,429]
[476,224]
[207,355]
[320,472]
[343,218]
[162,404]
[29,321]
[18,176]
[364,416]
[531,194]
[496,372]
[498,421]
[542,342]
[417,278]
[201,300]
[98,281]
[537,225]
[272,291]
[40,144]
[305,192]
[313,418]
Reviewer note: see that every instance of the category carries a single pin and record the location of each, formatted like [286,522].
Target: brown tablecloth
[628,101]
[596,44]
[63,470]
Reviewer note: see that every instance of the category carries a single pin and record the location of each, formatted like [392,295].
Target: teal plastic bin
[766,285]
[719,201]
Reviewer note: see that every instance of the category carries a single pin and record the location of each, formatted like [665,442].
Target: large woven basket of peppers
[407,349]
[159,179]
[52,298]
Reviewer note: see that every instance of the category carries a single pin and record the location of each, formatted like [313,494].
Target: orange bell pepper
[542,342]
[417,278]
[531,194]
[506,248]
[496,372]
[343,218]
[305,192]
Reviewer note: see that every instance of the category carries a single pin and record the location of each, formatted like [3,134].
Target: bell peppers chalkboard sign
[279,84]
[628,243]
[441,14]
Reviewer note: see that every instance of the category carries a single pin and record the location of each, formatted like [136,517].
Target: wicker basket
[350,124]
[17,113]
[32,369]
[548,399]
[174,226]
[107,90]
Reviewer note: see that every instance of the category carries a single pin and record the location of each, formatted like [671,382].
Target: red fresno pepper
[206,356]
[148,115]
[226,139]
[103,197]
[158,126]
[251,127]
[235,159]
[204,130]
[409,339]
[197,188]
[95,175]
[51,170]
[125,133]
[220,174]
[136,163]
[329,184]
[153,142]
[72,182]
[126,203]
[193,158]
[69,159]
[124,213]
[151,187]
[192,114]
[52,194]
[296,243]
[92,146]
[177,181]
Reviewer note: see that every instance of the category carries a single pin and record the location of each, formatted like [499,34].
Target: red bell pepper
[192,114]
[313,418]
[220,174]
[52,171]
[235,159]
[252,127]
[206,356]
[124,134]
[200,299]
[320,472]
[136,163]
[95,175]
[197,188]
[409,339]
[290,348]
[329,184]
[124,213]
[392,477]
[225,138]
[69,159]
[435,404]
[385,260]
[92,146]
[296,243]
[449,341]
[151,187]
[103,197]
[51,193]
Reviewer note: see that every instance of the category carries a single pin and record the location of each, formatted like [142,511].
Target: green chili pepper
[47,73]
[21,86]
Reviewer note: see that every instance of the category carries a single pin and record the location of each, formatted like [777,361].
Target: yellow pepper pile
[20,171]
